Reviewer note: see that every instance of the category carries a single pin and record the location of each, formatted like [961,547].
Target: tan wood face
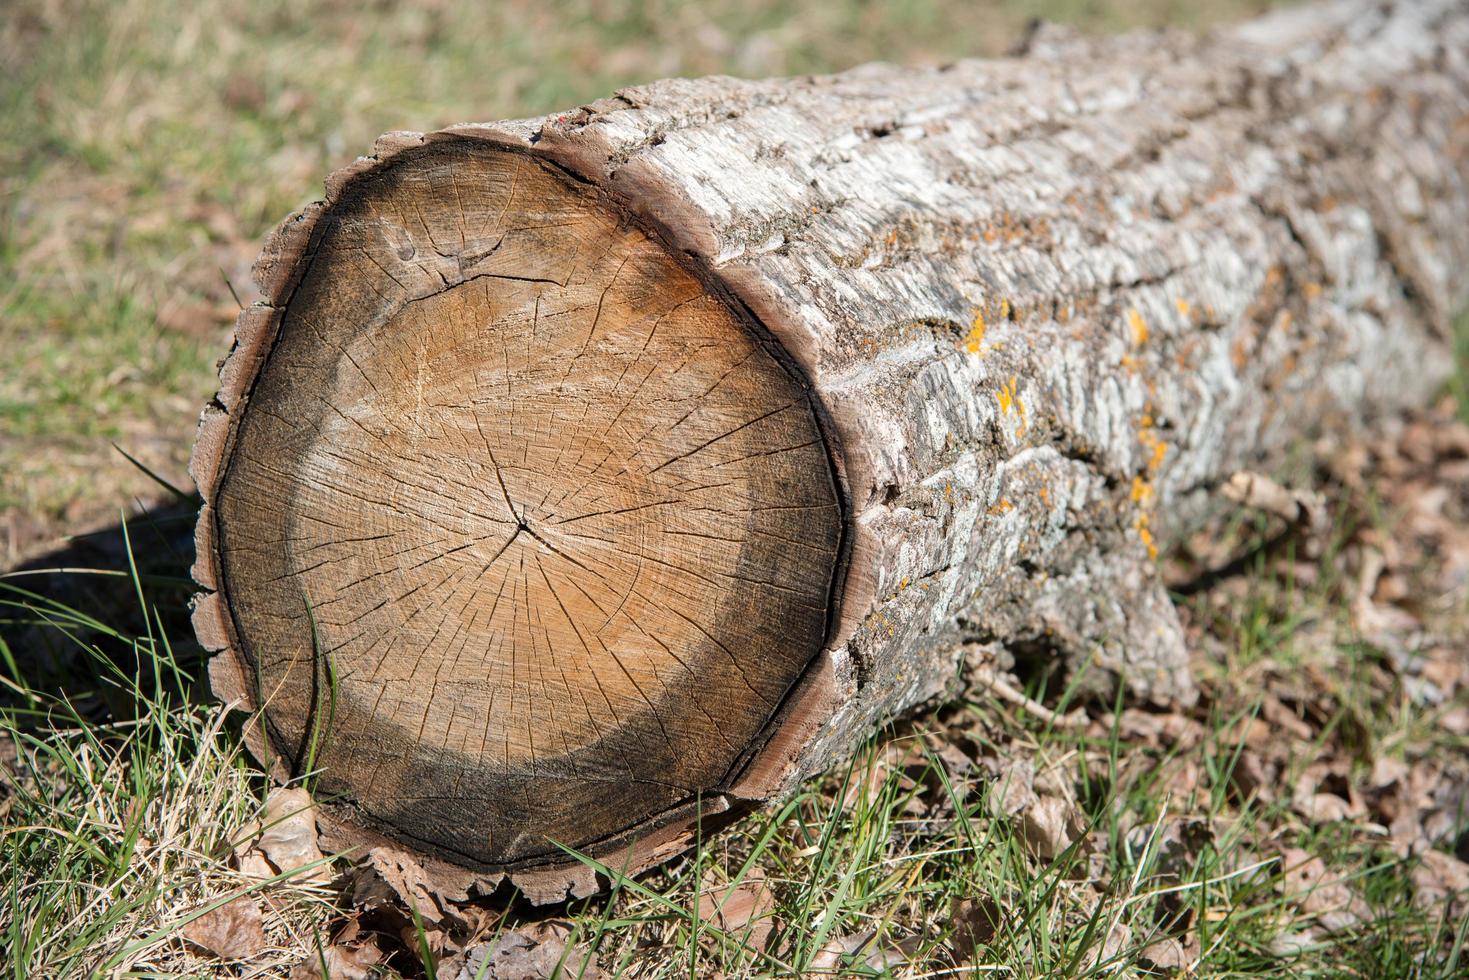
[523,533]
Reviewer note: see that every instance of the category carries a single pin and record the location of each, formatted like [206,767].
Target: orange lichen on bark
[1146,534]
[974,342]
[1142,493]
[1139,327]
[1008,397]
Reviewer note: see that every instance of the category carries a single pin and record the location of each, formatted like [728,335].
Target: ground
[1308,815]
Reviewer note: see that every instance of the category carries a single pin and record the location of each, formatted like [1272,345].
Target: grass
[115,828]
[152,146]
[118,828]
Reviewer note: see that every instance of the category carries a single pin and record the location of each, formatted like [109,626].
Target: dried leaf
[1044,825]
[829,957]
[1170,955]
[1310,884]
[1118,936]
[1014,787]
[741,909]
[955,762]
[1321,808]
[976,923]
[284,839]
[1302,509]
[1284,720]
[340,962]
[534,951]
[1440,878]
[390,874]
[890,956]
[1176,844]
[1252,776]
[1294,943]
[234,931]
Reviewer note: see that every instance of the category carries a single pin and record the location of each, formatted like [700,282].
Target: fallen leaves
[283,840]
[534,951]
[390,876]
[1441,882]
[977,921]
[741,908]
[348,957]
[1285,781]
[1320,892]
[1048,826]
[1171,955]
[232,931]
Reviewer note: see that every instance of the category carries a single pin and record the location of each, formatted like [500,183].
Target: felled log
[584,475]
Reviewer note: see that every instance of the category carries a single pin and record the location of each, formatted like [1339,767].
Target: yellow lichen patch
[1004,309]
[974,342]
[1003,506]
[1158,449]
[1045,494]
[1312,290]
[1143,494]
[1139,327]
[1183,306]
[1007,397]
[948,491]
[1143,532]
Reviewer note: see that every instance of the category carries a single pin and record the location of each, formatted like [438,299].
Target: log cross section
[542,526]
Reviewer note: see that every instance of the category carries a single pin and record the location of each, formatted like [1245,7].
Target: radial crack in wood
[524,532]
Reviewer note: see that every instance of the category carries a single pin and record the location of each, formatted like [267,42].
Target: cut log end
[523,533]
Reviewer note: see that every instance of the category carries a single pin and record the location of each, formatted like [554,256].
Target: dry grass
[1309,815]
[151,148]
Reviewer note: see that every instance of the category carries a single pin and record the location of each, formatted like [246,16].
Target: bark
[1036,312]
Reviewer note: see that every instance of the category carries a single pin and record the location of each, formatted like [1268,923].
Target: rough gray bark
[1046,306]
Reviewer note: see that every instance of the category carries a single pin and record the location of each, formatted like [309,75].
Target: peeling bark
[1041,309]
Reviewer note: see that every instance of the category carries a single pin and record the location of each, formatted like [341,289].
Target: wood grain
[524,533]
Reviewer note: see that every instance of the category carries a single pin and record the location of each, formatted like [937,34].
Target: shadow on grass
[102,589]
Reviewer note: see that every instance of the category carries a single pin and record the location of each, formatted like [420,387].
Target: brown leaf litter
[232,931]
[283,840]
[1296,735]
[741,908]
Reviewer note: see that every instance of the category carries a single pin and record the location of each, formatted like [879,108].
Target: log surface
[1020,320]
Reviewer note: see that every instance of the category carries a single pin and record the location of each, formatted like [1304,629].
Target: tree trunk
[587,473]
